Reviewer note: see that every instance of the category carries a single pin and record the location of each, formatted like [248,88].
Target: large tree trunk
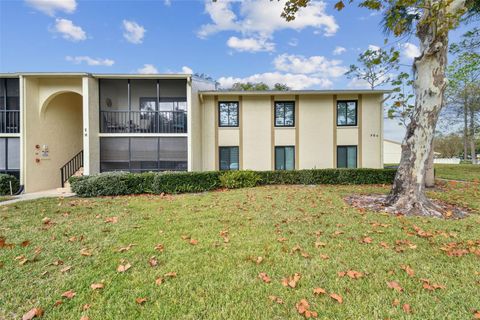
[465,130]
[430,170]
[408,192]
[472,136]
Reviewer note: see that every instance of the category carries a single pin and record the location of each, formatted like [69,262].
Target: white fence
[447,161]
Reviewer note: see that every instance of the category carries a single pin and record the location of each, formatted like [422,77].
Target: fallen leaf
[303,308]
[406,308]
[396,303]
[351,274]
[84,318]
[57,303]
[324,257]
[476,314]
[408,270]
[85,307]
[25,243]
[319,291]
[141,300]
[291,281]
[153,261]
[259,260]
[265,278]
[159,281]
[431,287]
[394,285]
[111,220]
[170,274]
[367,240]
[96,286]
[336,297]
[276,299]
[193,242]
[85,252]
[124,267]
[123,249]
[66,269]
[35,312]
[159,247]
[68,294]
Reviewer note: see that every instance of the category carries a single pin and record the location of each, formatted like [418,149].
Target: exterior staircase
[74,167]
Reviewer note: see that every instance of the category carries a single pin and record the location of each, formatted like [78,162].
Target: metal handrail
[71,167]
[124,121]
[9,121]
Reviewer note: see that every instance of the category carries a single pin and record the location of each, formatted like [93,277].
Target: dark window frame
[220,125]
[346,112]
[284,157]
[275,115]
[356,155]
[7,170]
[220,159]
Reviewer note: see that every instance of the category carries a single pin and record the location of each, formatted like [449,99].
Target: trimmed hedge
[5,180]
[239,179]
[124,183]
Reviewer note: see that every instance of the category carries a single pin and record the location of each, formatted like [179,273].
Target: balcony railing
[9,121]
[143,122]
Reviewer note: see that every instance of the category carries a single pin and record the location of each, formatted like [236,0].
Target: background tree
[430,21]
[258,86]
[449,146]
[375,66]
[400,105]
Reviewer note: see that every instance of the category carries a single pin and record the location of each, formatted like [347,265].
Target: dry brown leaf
[394,285]
[35,312]
[431,287]
[84,318]
[96,286]
[396,303]
[111,220]
[170,274]
[57,303]
[153,261]
[291,281]
[324,257]
[367,240]
[123,249]
[408,270]
[85,252]
[68,294]
[159,247]
[123,267]
[319,291]
[265,278]
[159,281]
[259,260]
[303,308]
[476,314]
[406,308]
[85,307]
[193,242]
[351,274]
[25,243]
[336,297]
[141,300]
[276,299]
[66,269]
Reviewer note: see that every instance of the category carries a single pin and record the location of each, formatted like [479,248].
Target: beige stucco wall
[372,132]
[257,133]
[53,117]
[91,127]
[208,134]
[392,151]
[315,132]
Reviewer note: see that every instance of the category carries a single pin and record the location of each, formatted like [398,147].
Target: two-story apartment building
[52,124]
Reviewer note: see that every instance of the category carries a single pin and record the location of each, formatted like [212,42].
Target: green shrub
[185,182]
[239,179]
[329,176]
[5,180]
[112,183]
[124,183]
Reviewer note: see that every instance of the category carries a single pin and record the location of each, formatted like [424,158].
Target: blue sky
[230,41]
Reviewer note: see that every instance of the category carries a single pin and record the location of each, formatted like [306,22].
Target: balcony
[9,121]
[119,121]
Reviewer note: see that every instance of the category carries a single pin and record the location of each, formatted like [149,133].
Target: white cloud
[339,50]
[51,6]
[250,44]
[317,65]
[90,61]
[147,69]
[69,31]
[293,42]
[410,50]
[133,32]
[358,84]
[187,70]
[167,3]
[373,47]
[294,81]
[261,19]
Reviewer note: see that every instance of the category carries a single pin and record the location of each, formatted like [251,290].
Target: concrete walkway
[38,195]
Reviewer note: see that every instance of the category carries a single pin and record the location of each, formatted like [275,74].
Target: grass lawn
[465,172]
[213,242]
[5,198]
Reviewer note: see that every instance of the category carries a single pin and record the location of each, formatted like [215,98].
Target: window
[285,158]
[228,158]
[346,113]
[285,114]
[9,105]
[143,154]
[228,114]
[346,156]
[10,156]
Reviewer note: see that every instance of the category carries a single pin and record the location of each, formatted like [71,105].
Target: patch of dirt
[377,203]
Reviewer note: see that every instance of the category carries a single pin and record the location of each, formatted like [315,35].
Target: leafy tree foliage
[259,86]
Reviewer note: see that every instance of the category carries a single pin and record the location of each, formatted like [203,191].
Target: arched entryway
[59,138]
